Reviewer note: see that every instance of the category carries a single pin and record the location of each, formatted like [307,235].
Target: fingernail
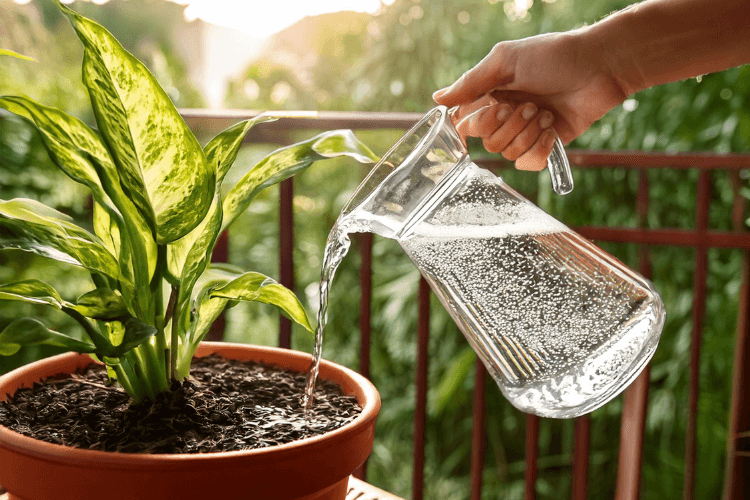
[548,138]
[528,112]
[545,121]
[504,112]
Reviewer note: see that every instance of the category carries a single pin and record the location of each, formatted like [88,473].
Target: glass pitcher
[562,326]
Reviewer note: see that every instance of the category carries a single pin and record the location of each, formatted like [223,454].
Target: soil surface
[227,405]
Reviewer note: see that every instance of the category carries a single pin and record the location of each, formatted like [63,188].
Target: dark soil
[226,406]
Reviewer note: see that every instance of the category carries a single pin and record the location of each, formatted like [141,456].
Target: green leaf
[115,332]
[288,161]
[31,226]
[138,252]
[205,309]
[27,331]
[107,229]
[102,304]
[199,255]
[136,333]
[68,140]
[188,256]
[222,150]
[161,164]
[80,153]
[256,287]
[32,291]
[6,52]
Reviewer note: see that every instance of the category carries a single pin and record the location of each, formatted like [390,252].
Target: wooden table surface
[358,490]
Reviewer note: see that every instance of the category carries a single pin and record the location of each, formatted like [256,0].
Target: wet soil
[227,405]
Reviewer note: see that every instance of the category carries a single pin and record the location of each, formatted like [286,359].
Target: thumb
[491,72]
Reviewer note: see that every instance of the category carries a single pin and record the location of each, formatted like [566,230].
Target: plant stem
[166,351]
[159,316]
[174,343]
[170,305]
[153,371]
[124,380]
[140,368]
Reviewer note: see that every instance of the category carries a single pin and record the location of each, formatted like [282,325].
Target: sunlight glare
[261,19]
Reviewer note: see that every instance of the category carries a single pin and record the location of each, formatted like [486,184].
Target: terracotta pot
[316,468]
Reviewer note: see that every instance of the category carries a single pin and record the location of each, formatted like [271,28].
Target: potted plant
[158,211]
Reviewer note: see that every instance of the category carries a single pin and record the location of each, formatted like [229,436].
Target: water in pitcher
[563,326]
[557,322]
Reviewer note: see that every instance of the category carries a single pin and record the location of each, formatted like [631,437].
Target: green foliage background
[393,62]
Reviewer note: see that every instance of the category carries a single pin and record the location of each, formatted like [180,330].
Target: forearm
[660,41]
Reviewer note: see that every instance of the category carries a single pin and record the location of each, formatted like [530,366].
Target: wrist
[614,58]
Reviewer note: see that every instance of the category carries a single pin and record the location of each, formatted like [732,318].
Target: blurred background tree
[393,60]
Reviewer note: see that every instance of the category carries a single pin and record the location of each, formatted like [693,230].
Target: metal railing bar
[420,410]
[672,237]
[581,158]
[581,447]
[642,206]
[736,482]
[478,430]
[631,450]
[699,309]
[532,456]
[286,253]
[215,120]
[207,119]
[737,472]
[630,455]
[641,159]
[365,305]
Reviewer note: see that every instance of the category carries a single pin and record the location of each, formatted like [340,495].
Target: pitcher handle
[557,163]
[559,169]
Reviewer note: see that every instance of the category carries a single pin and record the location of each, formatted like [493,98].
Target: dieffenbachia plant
[158,211]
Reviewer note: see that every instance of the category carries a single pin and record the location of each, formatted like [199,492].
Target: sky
[261,18]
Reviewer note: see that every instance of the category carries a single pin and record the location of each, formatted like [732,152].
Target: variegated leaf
[80,153]
[256,287]
[102,304]
[286,162]
[31,226]
[27,331]
[10,53]
[161,165]
[188,256]
[32,291]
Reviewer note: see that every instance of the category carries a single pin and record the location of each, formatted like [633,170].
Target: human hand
[524,92]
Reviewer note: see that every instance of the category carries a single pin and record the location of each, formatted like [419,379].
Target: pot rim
[61,453]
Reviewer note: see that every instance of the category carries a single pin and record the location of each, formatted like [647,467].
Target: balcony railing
[701,238]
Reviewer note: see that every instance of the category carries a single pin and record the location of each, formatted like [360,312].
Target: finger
[504,135]
[480,79]
[467,127]
[464,110]
[535,159]
[485,121]
[491,120]
[529,135]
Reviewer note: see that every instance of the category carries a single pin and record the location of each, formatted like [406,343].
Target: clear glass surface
[562,326]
